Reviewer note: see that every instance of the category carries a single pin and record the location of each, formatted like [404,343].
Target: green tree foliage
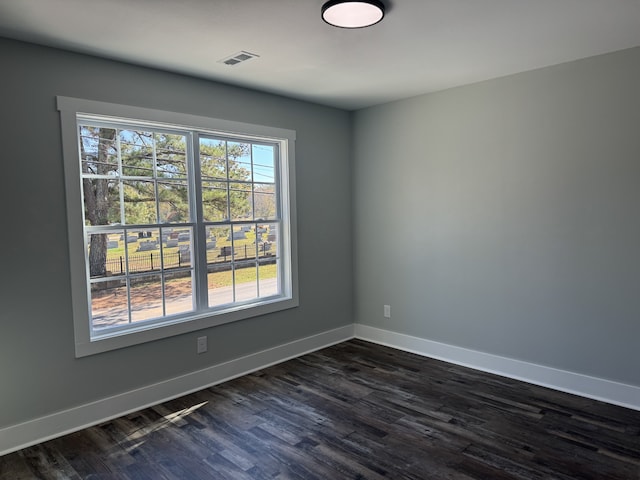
[154,182]
[98,157]
[264,201]
[219,161]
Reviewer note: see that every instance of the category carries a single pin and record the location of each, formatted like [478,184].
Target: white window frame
[85,343]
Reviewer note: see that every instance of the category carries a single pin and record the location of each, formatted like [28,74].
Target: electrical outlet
[202,344]
[387,311]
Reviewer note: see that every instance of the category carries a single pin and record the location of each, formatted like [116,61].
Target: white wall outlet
[387,311]
[202,344]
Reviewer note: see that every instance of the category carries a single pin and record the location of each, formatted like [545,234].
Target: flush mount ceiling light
[352,13]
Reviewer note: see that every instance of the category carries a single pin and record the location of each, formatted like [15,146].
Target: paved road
[117,315]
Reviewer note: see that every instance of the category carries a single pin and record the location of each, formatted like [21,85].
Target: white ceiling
[421,45]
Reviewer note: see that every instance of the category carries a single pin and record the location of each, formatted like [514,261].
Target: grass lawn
[243,275]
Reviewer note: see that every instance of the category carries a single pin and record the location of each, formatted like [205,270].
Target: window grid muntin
[196,227]
[128,275]
[234,263]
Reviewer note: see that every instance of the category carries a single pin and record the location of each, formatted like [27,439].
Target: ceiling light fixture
[352,13]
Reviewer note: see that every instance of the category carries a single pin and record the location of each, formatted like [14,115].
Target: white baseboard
[562,380]
[35,431]
[57,424]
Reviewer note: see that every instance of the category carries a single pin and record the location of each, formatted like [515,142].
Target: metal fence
[147,262]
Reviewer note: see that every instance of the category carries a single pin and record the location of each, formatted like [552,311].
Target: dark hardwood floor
[353,411]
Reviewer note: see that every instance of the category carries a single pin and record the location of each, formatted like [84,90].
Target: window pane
[213,159]
[213,235]
[115,262]
[104,250]
[170,248]
[143,250]
[98,150]
[215,205]
[220,284]
[264,198]
[263,164]
[171,155]
[268,279]
[109,304]
[219,248]
[101,198]
[239,161]
[268,240]
[169,238]
[136,149]
[240,200]
[244,244]
[184,236]
[173,202]
[184,246]
[139,202]
[219,261]
[146,297]
[178,292]
[246,282]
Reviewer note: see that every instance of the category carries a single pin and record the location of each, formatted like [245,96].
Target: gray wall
[38,371]
[504,216]
[500,216]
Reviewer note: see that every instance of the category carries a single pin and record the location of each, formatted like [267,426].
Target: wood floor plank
[352,411]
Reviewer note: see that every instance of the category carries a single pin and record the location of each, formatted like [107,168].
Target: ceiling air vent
[237,58]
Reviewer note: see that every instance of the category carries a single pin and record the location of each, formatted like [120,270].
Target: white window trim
[84,345]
